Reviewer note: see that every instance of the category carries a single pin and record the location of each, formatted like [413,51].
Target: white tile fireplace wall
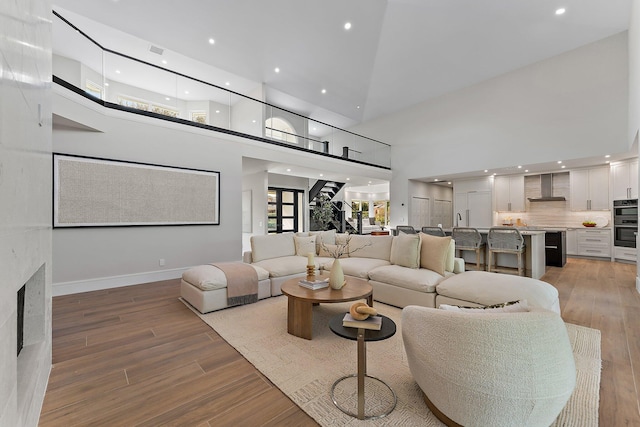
[25,200]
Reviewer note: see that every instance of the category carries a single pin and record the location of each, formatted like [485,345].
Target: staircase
[328,189]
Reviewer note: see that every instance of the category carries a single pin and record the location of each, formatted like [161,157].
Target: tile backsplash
[555,214]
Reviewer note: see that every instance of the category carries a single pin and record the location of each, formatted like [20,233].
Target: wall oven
[625,222]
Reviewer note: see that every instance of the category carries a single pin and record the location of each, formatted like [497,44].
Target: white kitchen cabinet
[509,192]
[625,180]
[572,241]
[594,242]
[473,209]
[627,254]
[590,189]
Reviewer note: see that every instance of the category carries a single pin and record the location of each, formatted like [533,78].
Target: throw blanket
[242,282]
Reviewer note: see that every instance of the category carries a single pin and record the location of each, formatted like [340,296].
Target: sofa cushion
[433,252]
[357,267]
[327,237]
[284,266]
[378,247]
[334,251]
[486,288]
[417,279]
[208,277]
[272,246]
[341,238]
[405,250]
[305,245]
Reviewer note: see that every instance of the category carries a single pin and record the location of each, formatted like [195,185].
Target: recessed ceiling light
[288,169]
[323,91]
[494,174]
[321,174]
[435,179]
[348,179]
[526,170]
[315,128]
[559,161]
[117,71]
[449,182]
[227,83]
[369,182]
[519,167]
[486,170]
[564,166]
[186,92]
[358,107]
[561,11]
[217,111]
[164,61]
[277,70]
[608,161]
[607,156]
[212,41]
[106,84]
[253,121]
[347,25]
[168,99]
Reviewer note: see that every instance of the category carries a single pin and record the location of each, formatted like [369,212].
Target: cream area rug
[305,370]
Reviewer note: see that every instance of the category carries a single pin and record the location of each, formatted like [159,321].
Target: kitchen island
[534,255]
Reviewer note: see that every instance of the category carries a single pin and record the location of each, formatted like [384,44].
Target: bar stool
[469,239]
[434,231]
[407,229]
[506,240]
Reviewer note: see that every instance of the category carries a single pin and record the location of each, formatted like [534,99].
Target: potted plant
[322,212]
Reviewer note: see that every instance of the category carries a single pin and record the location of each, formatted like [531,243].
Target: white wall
[94,258]
[570,106]
[634,72]
[257,183]
[25,200]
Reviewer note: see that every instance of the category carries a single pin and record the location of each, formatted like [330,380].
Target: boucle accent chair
[490,369]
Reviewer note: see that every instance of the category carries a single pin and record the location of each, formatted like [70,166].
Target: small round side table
[383,391]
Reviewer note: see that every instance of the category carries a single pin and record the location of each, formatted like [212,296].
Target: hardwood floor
[137,356]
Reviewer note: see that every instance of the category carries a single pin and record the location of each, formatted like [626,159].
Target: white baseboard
[66,288]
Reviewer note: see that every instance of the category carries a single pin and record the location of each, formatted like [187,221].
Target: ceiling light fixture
[526,170]
[347,25]
[564,166]
[212,41]
[323,91]
[369,182]
[607,156]
[486,170]
[227,83]
[348,179]
[186,92]
[561,11]
[321,174]
[288,169]
[106,84]
[559,161]
[164,61]
[277,70]
[117,71]
[435,179]
[217,111]
[449,182]
[168,99]
[358,107]
[519,167]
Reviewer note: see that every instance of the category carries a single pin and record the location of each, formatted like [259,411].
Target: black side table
[361,335]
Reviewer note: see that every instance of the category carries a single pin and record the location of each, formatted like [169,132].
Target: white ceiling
[397,53]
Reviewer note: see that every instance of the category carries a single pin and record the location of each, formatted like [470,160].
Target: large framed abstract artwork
[93,192]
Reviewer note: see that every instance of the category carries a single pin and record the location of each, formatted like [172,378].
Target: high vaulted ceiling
[396,54]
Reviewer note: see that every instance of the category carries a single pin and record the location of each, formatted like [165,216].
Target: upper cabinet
[590,189]
[472,203]
[509,191]
[625,180]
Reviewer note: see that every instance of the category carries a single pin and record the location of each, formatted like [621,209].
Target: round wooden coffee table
[302,300]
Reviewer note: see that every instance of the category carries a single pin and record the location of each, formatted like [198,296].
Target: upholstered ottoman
[481,288]
[205,287]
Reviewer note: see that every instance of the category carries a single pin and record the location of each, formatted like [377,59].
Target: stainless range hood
[546,190]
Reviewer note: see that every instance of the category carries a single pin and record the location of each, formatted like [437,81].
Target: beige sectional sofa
[403,270]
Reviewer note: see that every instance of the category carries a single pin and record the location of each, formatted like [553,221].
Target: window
[283,210]
[359,205]
[281,129]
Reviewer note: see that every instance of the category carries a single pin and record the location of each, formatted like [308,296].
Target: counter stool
[406,229]
[469,239]
[506,240]
[434,231]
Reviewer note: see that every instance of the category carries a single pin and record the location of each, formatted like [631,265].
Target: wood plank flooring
[137,356]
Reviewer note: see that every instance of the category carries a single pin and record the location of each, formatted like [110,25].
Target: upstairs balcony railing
[122,82]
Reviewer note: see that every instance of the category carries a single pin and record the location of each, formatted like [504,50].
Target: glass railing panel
[137,85]
[322,138]
[246,115]
[77,60]
[203,103]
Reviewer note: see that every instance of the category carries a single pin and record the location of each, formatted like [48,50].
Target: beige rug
[305,370]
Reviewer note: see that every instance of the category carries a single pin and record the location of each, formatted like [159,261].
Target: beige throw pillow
[305,245]
[405,250]
[433,253]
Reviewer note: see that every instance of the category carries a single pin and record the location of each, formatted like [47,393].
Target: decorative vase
[336,275]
